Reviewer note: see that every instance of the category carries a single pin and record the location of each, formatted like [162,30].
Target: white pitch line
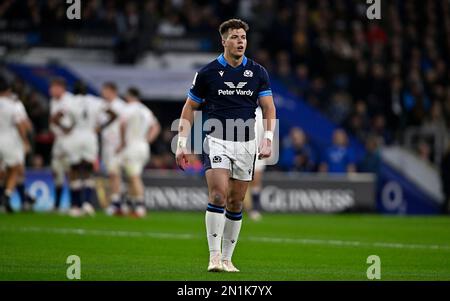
[185,236]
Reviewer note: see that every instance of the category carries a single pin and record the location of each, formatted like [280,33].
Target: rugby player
[139,128]
[13,142]
[60,98]
[110,142]
[231,87]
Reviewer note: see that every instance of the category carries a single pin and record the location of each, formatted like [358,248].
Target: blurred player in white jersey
[139,127]
[110,142]
[60,97]
[12,140]
[26,200]
[260,166]
[85,111]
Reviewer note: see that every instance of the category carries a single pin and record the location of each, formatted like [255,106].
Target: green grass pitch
[172,246]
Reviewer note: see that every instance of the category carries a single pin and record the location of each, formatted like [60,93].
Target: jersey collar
[224,63]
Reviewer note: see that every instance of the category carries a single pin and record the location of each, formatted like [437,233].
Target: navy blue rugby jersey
[231,93]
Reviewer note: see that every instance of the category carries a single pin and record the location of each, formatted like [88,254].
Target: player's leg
[20,186]
[58,172]
[255,190]
[55,167]
[75,184]
[11,175]
[233,221]
[115,184]
[136,194]
[88,150]
[87,187]
[217,180]
[26,200]
[135,158]
[113,167]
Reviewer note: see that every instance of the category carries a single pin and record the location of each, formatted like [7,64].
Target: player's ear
[223,41]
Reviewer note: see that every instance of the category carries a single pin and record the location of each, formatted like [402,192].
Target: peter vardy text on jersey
[237,92]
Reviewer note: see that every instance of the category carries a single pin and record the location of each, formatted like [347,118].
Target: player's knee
[218,198]
[234,204]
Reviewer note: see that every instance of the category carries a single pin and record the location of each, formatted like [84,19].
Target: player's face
[235,42]
[56,91]
[108,93]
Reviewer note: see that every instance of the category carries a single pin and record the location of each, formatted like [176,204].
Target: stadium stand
[386,82]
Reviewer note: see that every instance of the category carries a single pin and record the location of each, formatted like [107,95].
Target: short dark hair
[233,24]
[80,88]
[4,84]
[134,92]
[110,85]
[59,81]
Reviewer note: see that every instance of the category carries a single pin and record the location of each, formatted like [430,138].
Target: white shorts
[236,156]
[82,147]
[111,160]
[135,156]
[260,165]
[60,155]
[11,152]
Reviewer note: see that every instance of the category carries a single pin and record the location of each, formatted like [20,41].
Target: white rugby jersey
[21,110]
[85,111]
[9,117]
[111,134]
[138,119]
[60,105]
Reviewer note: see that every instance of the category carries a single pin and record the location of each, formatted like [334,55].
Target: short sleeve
[198,90]
[151,118]
[21,112]
[264,85]
[17,114]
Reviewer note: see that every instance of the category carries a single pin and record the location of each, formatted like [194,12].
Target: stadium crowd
[374,78]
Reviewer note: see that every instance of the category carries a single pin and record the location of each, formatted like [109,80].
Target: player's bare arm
[123,130]
[56,120]
[153,132]
[186,120]
[269,116]
[22,129]
[112,116]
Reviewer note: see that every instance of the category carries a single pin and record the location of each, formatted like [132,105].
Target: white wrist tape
[268,135]
[182,142]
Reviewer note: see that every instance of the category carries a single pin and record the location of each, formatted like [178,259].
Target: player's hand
[67,130]
[120,148]
[181,157]
[27,147]
[265,149]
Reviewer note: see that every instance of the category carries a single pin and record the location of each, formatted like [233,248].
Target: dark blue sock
[88,193]
[58,195]
[21,191]
[256,201]
[75,197]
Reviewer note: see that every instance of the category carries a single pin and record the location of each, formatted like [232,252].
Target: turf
[172,246]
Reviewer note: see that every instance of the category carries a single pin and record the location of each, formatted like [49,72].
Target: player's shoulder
[255,66]
[211,66]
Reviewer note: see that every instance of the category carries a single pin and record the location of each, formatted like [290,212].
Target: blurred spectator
[424,151]
[372,160]
[338,158]
[297,155]
[379,129]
